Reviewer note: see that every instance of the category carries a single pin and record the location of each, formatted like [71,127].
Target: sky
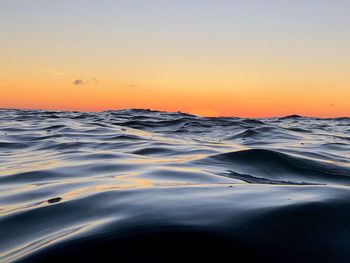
[248,58]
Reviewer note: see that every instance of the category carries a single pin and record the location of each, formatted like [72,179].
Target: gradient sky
[249,58]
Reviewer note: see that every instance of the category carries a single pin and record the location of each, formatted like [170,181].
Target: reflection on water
[102,183]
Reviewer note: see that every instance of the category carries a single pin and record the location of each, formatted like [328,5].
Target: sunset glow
[232,58]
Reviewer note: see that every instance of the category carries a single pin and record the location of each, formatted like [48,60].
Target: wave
[273,165]
[149,185]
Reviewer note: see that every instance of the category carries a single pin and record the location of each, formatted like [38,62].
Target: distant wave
[146,185]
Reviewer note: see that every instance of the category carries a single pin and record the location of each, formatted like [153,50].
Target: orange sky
[196,58]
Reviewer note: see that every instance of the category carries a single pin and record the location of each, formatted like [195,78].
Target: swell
[294,221]
[273,165]
[150,185]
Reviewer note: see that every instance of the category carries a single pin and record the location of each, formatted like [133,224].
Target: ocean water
[145,185]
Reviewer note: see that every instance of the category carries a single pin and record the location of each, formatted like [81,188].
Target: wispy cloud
[90,81]
[54,72]
[330,104]
[80,82]
[77,82]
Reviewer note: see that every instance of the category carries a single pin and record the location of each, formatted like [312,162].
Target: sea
[141,185]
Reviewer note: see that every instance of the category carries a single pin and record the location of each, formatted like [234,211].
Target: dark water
[141,185]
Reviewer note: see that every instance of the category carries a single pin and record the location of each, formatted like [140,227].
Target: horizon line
[164,111]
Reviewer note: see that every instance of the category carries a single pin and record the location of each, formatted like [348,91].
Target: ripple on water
[149,185]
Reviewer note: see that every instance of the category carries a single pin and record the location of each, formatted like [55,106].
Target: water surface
[139,184]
